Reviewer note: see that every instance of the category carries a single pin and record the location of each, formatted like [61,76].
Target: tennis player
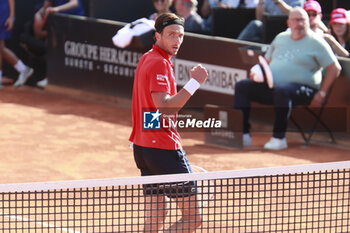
[159,151]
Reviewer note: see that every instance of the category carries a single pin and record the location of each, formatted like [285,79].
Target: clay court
[60,134]
[53,135]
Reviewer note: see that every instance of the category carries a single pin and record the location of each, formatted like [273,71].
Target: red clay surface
[46,136]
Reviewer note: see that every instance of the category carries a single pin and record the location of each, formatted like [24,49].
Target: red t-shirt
[154,73]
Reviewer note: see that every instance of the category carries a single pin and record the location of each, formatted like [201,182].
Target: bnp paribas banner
[221,79]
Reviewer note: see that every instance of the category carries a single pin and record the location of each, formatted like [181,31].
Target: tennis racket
[206,188]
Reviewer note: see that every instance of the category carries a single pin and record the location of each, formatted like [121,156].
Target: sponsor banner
[81,55]
[107,60]
[221,79]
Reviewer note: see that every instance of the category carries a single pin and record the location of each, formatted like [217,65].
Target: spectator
[254,30]
[7,17]
[314,11]
[188,10]
[296,59]
[73,7]
[162,6]
[339,37]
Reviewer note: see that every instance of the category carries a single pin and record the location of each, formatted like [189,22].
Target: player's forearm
[170,104]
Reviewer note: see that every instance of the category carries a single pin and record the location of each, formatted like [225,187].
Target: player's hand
[199,73]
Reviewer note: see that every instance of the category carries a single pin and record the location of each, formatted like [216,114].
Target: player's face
[170,39]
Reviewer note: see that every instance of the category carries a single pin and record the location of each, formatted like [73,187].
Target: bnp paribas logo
[151,120]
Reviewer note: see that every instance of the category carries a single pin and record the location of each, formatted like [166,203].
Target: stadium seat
[230,22]
[272,26]
[316,115]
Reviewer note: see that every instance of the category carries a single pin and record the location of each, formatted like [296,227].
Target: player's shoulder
[153,59]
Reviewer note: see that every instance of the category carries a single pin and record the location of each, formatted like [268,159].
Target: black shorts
[154,161]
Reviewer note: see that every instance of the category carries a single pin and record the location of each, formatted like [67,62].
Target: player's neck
[168,55]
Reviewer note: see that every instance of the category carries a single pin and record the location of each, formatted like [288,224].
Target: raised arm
[172,104]
[284,7]
[259,10]
[336,47]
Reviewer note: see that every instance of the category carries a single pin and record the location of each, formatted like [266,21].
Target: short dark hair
[166,17]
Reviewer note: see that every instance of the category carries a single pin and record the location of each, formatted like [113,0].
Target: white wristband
[192,86]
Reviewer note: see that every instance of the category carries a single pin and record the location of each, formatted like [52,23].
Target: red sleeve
[159,77]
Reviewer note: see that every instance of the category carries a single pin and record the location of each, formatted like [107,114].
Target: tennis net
[305,198]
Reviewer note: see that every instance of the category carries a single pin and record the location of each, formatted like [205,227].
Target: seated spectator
[314,11]
[188,10]
[33,38]
[73,7]
[254,30]
[339,33]
[296,59]
[162,6]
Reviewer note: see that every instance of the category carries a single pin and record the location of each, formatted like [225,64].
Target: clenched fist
[199,73]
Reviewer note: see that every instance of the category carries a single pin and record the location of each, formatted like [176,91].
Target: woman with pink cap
[339,25]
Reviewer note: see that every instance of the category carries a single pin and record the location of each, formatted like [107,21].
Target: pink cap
[339,15]
[312,5]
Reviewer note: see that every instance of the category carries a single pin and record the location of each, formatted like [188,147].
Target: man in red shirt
[158,150]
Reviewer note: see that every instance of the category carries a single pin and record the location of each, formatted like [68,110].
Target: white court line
[38,223]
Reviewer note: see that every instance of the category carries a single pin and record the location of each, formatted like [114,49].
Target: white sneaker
[23,77]
[247,139]
[42,83]
[276,144]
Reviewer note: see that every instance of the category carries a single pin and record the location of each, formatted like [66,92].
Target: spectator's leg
[252,32]
[285,97]
[247,91]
